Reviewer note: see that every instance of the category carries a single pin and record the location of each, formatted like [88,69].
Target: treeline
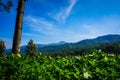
[113,47]
[31,49]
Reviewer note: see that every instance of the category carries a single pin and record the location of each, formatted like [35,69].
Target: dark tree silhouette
[2,48]
[5,7]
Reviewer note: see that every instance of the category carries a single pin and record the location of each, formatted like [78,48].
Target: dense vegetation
[87,62]
[97,65]
[113,47]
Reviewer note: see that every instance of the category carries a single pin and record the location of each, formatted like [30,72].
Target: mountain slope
[80,44]
[100,39]
[62,46]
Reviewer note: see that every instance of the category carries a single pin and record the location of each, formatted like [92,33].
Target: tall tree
[18,27]
[18,24]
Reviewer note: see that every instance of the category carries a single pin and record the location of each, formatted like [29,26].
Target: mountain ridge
[82,43]
[64,45]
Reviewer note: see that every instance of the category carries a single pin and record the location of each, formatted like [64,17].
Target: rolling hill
[62,46]
[83,43]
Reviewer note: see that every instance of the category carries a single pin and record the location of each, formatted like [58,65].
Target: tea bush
[97,65]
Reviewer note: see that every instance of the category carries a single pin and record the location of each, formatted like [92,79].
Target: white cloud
[29,34]
[39,21]
[91,30]
[39,25]
[46,28]
[64,13]
[86,30]
[104,25]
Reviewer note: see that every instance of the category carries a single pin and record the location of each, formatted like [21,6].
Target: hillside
[83,44]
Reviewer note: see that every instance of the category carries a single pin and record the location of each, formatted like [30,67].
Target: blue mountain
[64,45]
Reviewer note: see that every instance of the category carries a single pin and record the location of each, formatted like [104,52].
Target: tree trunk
[18,27]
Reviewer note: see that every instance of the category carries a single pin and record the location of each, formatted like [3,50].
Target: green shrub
[97,65]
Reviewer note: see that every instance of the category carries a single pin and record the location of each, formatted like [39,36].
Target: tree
[18,24]
[18,27]
[5,7]
[2,48]
[31,48]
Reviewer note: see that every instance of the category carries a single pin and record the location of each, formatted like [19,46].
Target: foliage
[2,48]
[63,50]
[97,65]
[31,48]
[4,6]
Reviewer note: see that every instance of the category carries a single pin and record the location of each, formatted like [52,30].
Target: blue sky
[51,21]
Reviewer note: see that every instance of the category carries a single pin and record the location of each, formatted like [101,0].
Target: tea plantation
[94,66]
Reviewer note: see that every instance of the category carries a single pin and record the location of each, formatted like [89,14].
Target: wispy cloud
[104,25]
[39,24]
[47,29]
[64,13]
[39,21]
[86,30]
[29,34]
